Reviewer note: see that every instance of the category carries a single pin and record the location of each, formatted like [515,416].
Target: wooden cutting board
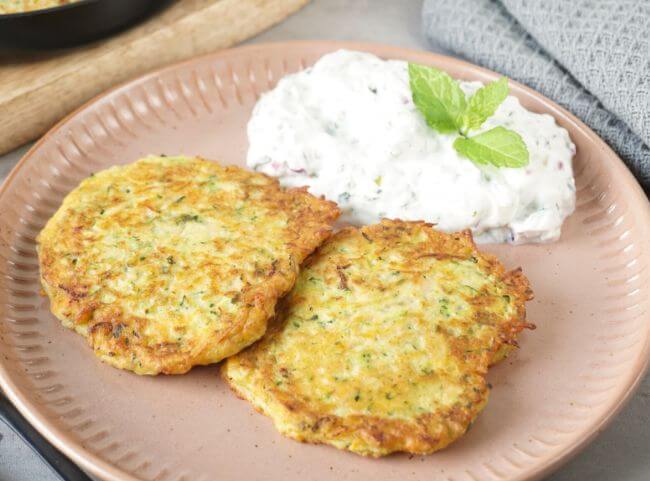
[37,90]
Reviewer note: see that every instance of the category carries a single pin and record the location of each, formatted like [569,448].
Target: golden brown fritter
[172,262]
[384,342]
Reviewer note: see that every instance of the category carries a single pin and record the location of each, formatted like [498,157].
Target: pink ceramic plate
[570,378]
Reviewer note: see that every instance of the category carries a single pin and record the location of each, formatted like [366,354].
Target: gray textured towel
[590,56]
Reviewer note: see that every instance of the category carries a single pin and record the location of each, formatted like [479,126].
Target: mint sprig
[446,109]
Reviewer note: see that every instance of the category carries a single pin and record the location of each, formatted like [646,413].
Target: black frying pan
[72,24]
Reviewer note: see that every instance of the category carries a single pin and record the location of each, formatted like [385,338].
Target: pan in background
[72,24]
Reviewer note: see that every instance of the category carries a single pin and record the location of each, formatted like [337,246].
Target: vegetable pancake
[384,342]
[172,262]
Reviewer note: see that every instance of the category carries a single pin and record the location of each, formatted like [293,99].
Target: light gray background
[621,453]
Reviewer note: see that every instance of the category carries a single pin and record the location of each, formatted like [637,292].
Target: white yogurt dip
[348,129]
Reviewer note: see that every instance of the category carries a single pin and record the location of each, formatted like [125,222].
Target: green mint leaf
[438,97]
[444,106]
[484,103]
[499,146]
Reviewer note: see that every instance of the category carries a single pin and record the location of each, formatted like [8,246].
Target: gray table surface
[620,453]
